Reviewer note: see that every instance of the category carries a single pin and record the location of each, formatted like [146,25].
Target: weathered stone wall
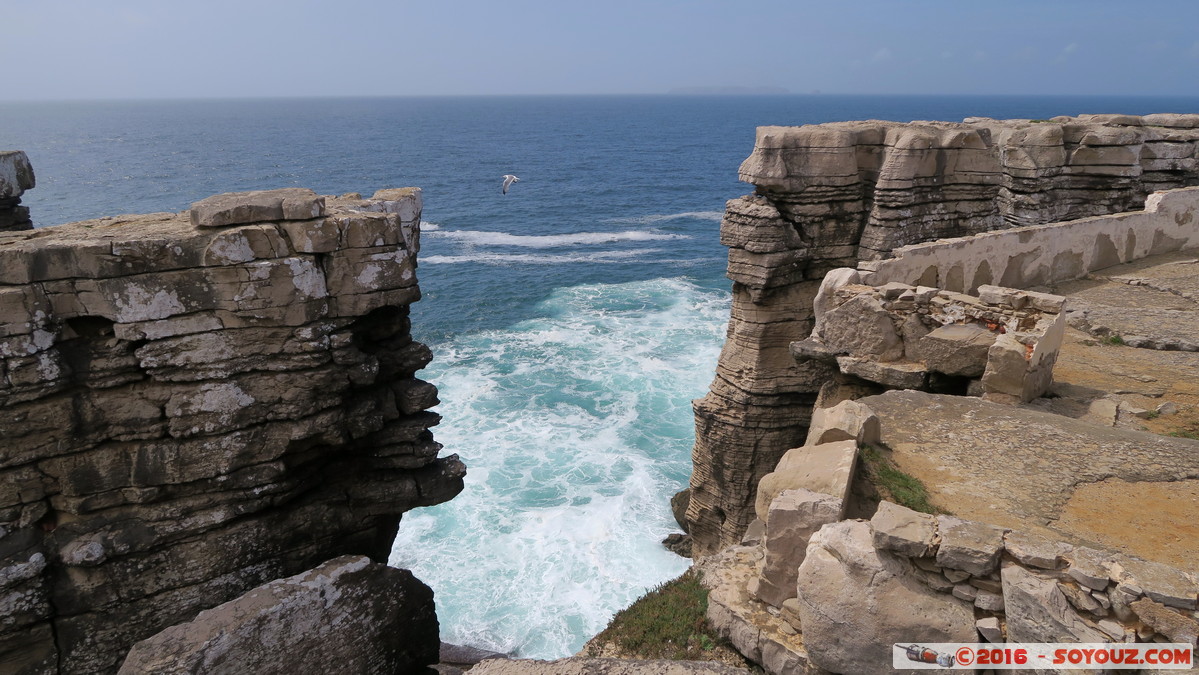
[1046,254]
[194,404]
[831,195]
[16,176]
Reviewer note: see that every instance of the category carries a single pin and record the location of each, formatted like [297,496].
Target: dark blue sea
[573,319]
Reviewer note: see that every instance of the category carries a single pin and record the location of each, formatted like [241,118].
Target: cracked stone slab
[902,530]
[258,206]
[969,546]
[1029,465]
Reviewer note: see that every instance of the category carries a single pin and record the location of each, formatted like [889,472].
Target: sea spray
[576,427]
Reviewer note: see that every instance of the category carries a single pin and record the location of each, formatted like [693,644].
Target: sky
[122,49]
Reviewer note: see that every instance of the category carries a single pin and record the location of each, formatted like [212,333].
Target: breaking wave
[536,259]
[649,220]
[575,428]
[483,238]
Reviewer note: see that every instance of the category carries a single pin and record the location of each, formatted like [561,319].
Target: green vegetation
[666,623]
[1185,433]
[895,485]
[1114,339]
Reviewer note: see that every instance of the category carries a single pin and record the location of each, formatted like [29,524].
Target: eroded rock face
[347,615]
[189,412]
[831,195]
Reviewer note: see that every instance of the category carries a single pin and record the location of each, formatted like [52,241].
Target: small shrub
[1114,339]
[904,489]
[669,622]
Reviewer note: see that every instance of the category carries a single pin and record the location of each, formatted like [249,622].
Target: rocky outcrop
[349,615]
[828,196]
[195,404]
[855,601]
[16,176]
[818,593]
[1001,344]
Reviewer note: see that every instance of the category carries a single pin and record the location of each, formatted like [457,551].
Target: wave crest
[536,259]
[714,216]
[486,238]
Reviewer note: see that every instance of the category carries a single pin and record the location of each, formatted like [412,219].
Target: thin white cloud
[1066,52]
[883,55]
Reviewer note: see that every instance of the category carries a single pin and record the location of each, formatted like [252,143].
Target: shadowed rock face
[191,410]
[830,195]
[16,176]
[348,615]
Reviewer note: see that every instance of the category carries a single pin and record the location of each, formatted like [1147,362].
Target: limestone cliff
[194,404]
[830,195]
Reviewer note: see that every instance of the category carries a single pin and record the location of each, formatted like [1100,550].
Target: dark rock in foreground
[348,615]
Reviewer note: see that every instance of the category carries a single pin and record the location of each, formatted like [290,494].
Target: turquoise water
[573,319]
[576,426]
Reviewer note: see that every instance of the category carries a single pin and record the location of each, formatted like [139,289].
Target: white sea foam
[426,226]
[576,428]
[538,259]
[651,219]
[484,238]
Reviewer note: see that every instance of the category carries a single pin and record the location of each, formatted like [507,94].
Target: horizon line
[670,94]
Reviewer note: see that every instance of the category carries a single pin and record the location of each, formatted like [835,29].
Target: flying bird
[509,179]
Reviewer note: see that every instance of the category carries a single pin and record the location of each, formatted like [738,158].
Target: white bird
[509,179]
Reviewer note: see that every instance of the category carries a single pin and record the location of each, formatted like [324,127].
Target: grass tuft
[901,488]
[1114,339]
[669,622]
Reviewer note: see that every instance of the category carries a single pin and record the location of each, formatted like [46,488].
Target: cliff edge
[831,195]
[195,404]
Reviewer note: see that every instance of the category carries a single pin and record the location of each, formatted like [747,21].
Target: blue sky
[87,49]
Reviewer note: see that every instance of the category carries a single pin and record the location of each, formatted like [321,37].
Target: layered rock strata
[194,404]
[831,195]
[16,176]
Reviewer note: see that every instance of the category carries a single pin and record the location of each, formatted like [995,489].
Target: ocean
[573,320]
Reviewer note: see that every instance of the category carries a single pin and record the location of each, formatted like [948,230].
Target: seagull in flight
[509,179]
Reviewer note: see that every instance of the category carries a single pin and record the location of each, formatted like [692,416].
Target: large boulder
[904,531]
[1038,611]
[956,349]
[968,545]
[827,468]
[348,615]
[16,174]
[792,519]
[848,420]
[855,601]
[862,328]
